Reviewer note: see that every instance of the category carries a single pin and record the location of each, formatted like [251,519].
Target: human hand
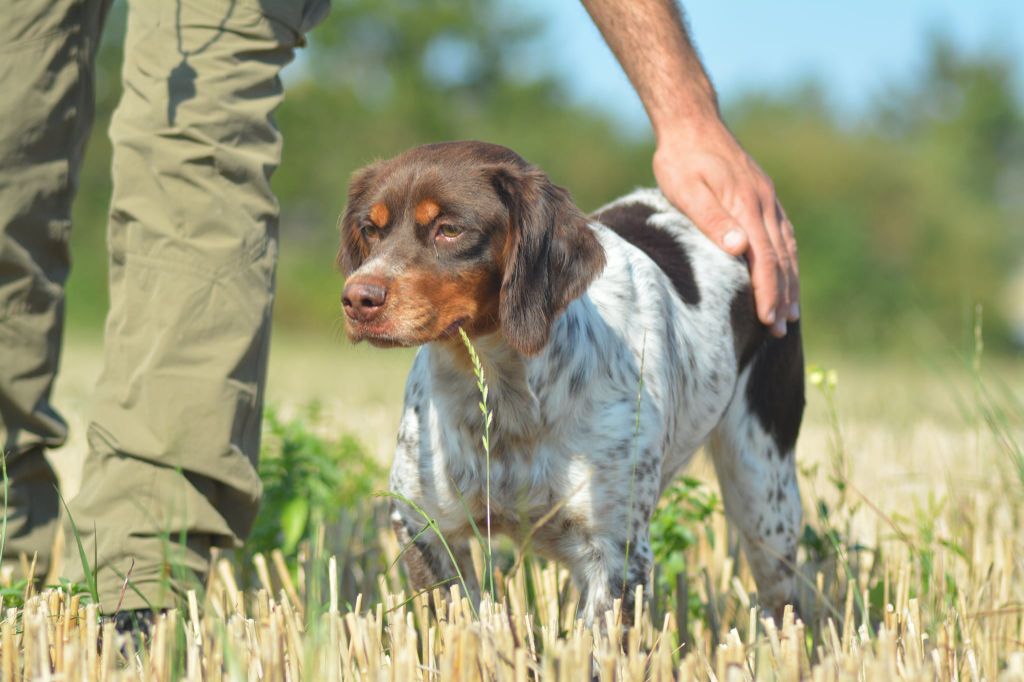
[705,173]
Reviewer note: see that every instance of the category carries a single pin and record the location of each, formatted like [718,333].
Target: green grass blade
[3,528]
[440,536]
[90,577]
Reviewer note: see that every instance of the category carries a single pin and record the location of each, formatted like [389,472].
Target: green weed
[309,481]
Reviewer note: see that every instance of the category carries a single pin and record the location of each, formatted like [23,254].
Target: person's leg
[175,434]
[47,54]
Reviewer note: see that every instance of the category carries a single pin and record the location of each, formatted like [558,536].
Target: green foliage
[7,486]
[308,481]
[686,509]
[905,217]
[928,545]
[13,595]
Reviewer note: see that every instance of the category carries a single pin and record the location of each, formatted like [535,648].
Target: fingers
[771,224]
[762,235]
[774,269]
[789,239]
[733,202]
[766,274]
[717,223]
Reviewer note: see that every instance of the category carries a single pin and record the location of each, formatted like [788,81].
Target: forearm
[651,43]
[699,165]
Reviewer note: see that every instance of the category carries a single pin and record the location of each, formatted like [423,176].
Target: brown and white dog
[614,347]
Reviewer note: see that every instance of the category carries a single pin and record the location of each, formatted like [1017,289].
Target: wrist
[689,104]
[689,128]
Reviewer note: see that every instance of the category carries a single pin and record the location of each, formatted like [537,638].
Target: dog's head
[461,234]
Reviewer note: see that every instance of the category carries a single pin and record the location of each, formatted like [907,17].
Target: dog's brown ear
[352,251]
[551,258]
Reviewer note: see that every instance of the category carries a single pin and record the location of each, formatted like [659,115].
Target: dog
[614,346]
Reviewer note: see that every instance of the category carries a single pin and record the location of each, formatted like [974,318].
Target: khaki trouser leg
[47,52]
[171,470]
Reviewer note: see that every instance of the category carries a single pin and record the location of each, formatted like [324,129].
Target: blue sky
[856,49]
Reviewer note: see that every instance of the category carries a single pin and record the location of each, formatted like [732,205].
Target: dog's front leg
[609,547]
[427,559]
[610,567]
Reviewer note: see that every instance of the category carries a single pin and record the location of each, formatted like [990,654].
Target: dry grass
[255,636]
[913,569]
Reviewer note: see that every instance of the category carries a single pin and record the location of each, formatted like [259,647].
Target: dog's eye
[449,231]
[371,231]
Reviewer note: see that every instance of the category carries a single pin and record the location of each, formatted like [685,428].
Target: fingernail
[733,239]
[769,319]
[779,328]
[794,312]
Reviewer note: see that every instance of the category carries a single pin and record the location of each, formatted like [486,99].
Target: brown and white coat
[614,346]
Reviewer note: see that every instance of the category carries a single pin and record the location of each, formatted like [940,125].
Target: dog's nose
[363,300]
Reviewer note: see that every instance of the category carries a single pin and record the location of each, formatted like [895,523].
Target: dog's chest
[558,452]
[525,478]
[629,385]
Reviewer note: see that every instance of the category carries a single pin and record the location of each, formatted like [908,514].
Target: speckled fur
[569,430]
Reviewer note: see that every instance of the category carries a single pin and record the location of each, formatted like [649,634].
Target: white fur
[597,451]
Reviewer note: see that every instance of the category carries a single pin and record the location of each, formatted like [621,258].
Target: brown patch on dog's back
[379,214]
[747,330]
[426,210]
[629,221]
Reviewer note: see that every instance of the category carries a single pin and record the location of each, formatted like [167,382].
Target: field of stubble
[912,558]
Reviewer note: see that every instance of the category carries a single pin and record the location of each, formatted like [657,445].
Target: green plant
[87,569]
[485,440]
[7,484]
[686,509]
[994,405]
[830,545]
[308,481]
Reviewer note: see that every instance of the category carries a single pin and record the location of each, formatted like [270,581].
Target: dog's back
[775,390]
[753,445]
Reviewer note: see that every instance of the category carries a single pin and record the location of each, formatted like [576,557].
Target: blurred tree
[905,219]
[909,218]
